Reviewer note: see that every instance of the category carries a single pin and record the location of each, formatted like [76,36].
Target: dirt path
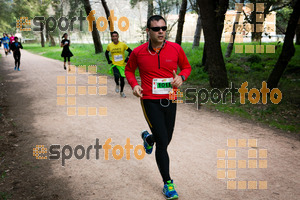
[193,151]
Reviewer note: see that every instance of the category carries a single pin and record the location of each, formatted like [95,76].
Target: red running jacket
[156,65]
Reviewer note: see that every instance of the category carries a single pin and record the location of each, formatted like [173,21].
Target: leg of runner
[65,59]
[69,63]
[19,60]
[16,60]
[160,115]
[117,77]
[122,86]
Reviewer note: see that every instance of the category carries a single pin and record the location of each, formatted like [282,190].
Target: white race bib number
[118,58]
[161,85]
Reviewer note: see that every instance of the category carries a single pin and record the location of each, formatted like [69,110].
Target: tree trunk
[181,22]
[149,13]
[42,35]
[52,41]
[230,45]
[150,9]
[298,34]
[288,49]
[107,13]
[95,33]
[214,58]
[197,35]
[219,12]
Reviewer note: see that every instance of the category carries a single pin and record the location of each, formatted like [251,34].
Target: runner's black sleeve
[129,52]
[21,46]
[107,57]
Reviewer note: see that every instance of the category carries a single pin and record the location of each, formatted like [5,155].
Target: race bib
[161,85]
[118,58]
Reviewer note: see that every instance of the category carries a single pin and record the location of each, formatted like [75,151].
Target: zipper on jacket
[158,61]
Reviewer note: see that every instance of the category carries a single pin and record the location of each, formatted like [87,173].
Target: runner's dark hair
[114,32]
[156,18]
[64,35]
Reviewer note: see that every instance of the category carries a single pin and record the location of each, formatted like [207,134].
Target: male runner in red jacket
[157,61]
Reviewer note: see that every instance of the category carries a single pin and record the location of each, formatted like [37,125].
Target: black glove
[109,61]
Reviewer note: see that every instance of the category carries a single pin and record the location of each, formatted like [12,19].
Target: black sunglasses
[156,29]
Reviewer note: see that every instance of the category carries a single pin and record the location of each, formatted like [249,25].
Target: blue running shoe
[169,190]
[15,67]
[147,147]
[19,69]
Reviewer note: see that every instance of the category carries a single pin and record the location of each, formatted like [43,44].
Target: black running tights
[160,115]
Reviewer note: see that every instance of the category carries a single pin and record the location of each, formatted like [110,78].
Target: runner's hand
[137,91]
[109,62]
[177,81]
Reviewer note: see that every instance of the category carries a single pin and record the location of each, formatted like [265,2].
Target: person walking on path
[5,41]
[66,53]
[15,47]
[117,50]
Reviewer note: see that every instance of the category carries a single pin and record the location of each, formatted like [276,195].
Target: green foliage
[254,58]
[234,68]
[282,17]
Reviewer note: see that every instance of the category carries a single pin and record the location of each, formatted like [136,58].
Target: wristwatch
[183,78]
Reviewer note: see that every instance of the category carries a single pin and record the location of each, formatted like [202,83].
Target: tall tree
[42,11]
[211,27]
[197,34]
[220,8]
[298,34]
[181,22]
[230,45]
[95,33]
[288,49]
[107,13]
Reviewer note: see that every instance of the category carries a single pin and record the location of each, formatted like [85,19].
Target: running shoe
[147,147]
[117,89]
[169,190]
[65,67]
[122,94]
[19,69]
[15,67]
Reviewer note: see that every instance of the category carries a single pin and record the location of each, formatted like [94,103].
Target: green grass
[253,68]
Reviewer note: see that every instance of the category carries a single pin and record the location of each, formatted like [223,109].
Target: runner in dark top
[15,47]
[66,53]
